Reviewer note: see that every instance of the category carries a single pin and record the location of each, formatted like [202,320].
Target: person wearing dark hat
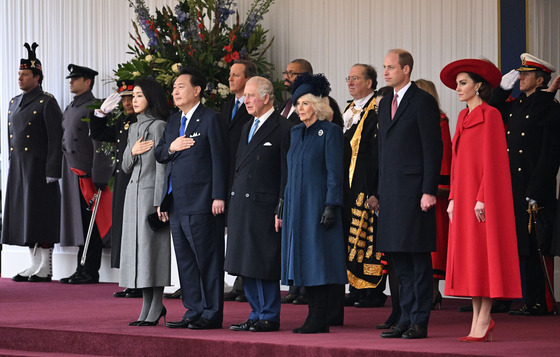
[313,252]
[533,129]
[360,131]
[32,208]
[194,147]
[482,251]
[410,151]
[253,245]
[85,170]
[293,70]
[116,133]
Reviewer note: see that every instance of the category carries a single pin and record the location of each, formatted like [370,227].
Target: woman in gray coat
[145,253]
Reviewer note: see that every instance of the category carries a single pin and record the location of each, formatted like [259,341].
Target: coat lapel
[259,137]
[195,121]
[404,103]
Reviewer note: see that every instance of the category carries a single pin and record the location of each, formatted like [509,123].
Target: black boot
[310,304]
[318,321]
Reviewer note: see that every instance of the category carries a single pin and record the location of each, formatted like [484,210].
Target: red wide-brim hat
[483,68]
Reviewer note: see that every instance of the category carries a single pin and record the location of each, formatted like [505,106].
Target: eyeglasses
[290,73]
[353,78]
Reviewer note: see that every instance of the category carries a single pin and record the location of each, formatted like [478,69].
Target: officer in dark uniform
[533,129]
[102,128]
[32,208]
[84,168]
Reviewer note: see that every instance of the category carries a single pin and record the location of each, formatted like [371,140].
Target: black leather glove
[100,186]
[279,208]
[327,218]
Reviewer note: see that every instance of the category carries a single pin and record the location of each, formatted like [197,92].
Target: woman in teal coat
[313,253]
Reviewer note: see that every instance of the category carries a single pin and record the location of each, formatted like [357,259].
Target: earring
[477,93]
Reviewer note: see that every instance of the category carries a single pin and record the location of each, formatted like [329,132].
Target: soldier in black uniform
[533,128]
[116,133]
[32,209]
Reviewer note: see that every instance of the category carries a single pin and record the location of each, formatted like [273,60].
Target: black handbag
[155,223]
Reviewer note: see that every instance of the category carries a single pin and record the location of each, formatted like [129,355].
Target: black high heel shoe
[135,323]
[156,322]
[437,301]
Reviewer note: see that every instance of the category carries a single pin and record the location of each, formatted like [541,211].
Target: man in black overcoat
[32,208]
[410,150]
[233,117]
[253,246]
[533,132]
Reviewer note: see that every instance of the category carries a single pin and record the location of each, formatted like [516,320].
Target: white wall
[331,34]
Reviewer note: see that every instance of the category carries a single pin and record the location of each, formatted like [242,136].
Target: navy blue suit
[198,176]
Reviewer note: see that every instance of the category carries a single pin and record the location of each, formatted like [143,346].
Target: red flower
[228,58]
[200,26]
[235,55]
[228,48]
[201,36]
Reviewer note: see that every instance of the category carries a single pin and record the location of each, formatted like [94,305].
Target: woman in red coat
[439,257]
[482,252]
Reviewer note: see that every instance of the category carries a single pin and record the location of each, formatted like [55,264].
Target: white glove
[51,179]
[111,103]
[509,79]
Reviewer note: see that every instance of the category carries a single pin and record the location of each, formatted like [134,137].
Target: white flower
[149,58]
[203,100]
[176,68]
[136,74]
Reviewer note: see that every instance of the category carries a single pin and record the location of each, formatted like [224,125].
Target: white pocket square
[267,144]
[194,135]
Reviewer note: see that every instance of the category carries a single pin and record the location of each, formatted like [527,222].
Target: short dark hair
[405,58]
[384,91]
[92,79]
[37,72]
[197,78]
[369,73]
[544,75]
[250,68]
[485,90]
[305,65]
[155,96]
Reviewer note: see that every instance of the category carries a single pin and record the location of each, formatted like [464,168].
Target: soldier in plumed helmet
[32,209]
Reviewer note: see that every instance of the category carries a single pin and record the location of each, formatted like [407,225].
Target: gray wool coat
[145,254]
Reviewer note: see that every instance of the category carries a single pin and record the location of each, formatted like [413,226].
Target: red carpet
[52,319]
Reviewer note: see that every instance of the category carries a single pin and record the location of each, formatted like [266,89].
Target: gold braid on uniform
[355,142]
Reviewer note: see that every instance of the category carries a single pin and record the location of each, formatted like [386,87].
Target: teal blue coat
[311,254]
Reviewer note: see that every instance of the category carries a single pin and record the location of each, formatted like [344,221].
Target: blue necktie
[235,107]
[183,125]
[181,133]
[253,129]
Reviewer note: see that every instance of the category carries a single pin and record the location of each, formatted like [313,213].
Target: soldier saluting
[32,209]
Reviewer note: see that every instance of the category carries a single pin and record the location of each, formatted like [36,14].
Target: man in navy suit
[410,150]
[194,148]
[254,246]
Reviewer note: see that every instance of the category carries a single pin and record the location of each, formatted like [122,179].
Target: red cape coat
[482,257]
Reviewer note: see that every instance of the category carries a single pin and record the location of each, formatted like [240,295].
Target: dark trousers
[199,247]
[264,298]
[535,282]
[415,274]
[95,248]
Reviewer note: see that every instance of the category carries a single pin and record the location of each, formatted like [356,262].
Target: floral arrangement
[197,33]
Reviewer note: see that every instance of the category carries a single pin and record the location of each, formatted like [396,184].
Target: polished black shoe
[244,326]
[135,323]
[288,298]
[134,293]
[386,325]
[351,299]
[205,324]
[394,332]
[232,295]
[20,278]
[39,279]
[83,278]
[67,280]
[415,332]
[265,326]
[537,310]
[241,298]
[183,323]
[300,300]
[519,312]
[121,294]
[176,295]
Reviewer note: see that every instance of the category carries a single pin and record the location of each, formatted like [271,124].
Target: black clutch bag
[155,223]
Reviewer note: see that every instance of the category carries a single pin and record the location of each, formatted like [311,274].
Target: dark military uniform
[32,209]
[533,129]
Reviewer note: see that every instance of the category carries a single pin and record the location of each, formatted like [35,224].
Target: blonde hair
[320,105]
[429,87]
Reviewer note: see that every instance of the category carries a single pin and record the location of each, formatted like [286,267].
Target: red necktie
[287,108]
[394,106]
